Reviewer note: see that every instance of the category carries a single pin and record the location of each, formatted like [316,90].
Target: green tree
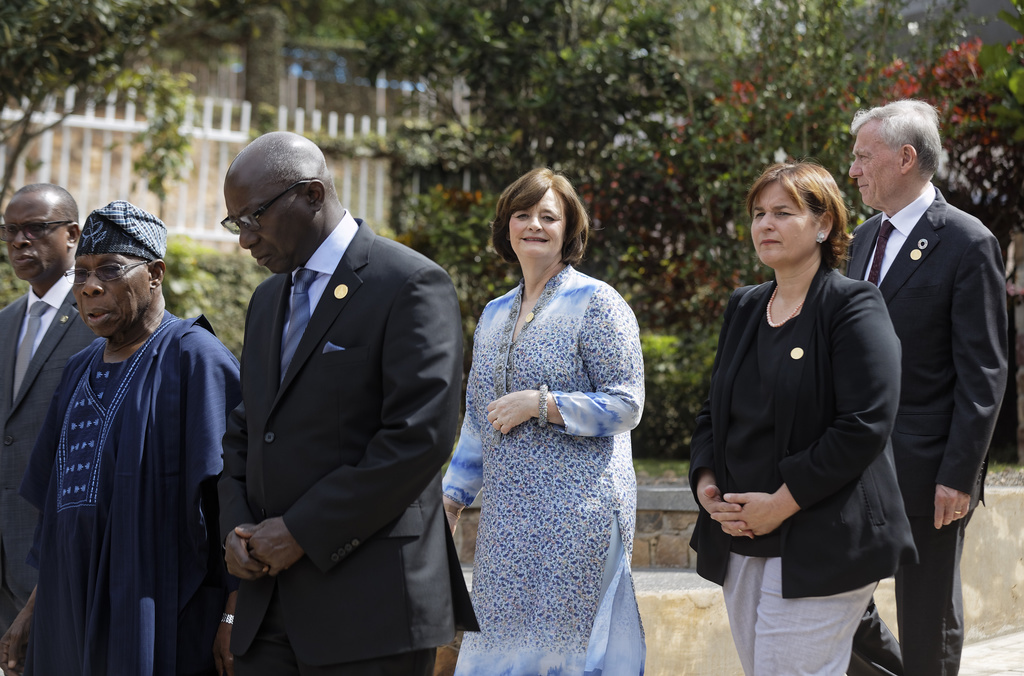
[47,46]
[550,81]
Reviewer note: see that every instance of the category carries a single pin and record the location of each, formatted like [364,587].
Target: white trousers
[774,636]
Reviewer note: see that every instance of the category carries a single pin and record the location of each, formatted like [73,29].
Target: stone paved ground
[1003,656]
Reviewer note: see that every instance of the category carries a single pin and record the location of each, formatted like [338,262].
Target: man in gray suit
[38,332]
[940,271]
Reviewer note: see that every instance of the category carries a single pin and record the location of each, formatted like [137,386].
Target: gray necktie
[25,348]
[299,316]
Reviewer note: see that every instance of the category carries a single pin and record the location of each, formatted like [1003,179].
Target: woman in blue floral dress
[556,385]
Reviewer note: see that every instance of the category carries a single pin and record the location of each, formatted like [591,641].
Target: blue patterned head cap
[123,228]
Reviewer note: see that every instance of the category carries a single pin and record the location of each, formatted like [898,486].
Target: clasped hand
[745,514]
[513,409]
[255,550]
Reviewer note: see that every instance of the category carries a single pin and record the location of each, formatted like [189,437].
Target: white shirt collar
[328,255]
[54,296]
[906,218]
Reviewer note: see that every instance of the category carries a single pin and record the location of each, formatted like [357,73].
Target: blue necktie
[299,316]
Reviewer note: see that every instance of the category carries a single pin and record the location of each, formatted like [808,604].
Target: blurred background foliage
[661,112]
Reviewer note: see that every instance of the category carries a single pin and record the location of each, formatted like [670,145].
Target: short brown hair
[526,191]
[812,188]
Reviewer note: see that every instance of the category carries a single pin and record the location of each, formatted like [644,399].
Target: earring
[820,237]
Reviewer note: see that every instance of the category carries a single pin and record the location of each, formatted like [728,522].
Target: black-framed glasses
[104,273]
[32,231]
[252,221]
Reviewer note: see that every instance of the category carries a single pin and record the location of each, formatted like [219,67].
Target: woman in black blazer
[800,512]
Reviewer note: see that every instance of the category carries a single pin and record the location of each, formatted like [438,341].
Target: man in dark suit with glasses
[331,492]
[38,332]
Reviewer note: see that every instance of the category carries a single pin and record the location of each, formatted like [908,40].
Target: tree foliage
[550,81]
[47,46]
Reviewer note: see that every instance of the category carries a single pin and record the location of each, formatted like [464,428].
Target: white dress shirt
[903,221]
[53,299]
[324,262]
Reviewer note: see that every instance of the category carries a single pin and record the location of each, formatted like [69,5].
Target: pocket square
[331,347]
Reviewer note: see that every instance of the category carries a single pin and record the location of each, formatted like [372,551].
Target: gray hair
[907,122]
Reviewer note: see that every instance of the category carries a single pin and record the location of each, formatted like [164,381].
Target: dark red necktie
[876,262]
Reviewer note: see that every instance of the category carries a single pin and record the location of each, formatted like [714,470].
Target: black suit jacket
[348,449]
[949,310]
[835,405]
[21,416]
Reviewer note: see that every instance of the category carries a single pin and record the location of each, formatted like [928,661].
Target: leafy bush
[677,371]
[452,227]
[201,280]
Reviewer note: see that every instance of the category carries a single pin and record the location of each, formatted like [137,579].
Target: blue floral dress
[552,586]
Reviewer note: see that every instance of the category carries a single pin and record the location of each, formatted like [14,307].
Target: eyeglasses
[32,231]
[252,221]
[104,273]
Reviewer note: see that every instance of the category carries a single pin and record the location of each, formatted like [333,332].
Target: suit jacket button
[268,437]
[355,543]
[8,440]
[335,558]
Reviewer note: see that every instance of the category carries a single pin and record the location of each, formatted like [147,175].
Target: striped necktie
[299,316]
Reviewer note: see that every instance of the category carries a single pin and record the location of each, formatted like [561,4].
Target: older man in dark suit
[38,332]
[941,274]
[351,372]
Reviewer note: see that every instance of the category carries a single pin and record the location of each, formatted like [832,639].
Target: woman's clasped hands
[745,514]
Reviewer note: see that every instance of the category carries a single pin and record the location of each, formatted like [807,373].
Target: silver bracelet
[227,618]
[542,406]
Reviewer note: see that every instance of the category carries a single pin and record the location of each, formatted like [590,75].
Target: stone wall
[684,616]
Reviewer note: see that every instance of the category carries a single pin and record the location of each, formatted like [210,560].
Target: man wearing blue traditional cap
[124,475]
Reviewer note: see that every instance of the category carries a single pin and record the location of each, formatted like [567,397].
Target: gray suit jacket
[21,416]
[948,306]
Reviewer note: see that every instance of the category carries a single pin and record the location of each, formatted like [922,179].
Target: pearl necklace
[768,311]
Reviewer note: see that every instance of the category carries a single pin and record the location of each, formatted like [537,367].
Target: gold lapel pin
[915,254]
[64,319]
[797,353]
[341,291]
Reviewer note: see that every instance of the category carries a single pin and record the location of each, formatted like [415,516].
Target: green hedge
[201,280]
[677,371]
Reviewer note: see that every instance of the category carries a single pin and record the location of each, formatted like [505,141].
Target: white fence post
[68,156]
[378,188]
[181,223]
[346,164]
[124,189]
[65,139]
[83,190]
[364,169]
[105,151]
[46,143]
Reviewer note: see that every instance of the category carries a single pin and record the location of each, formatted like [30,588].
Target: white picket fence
[90,154]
